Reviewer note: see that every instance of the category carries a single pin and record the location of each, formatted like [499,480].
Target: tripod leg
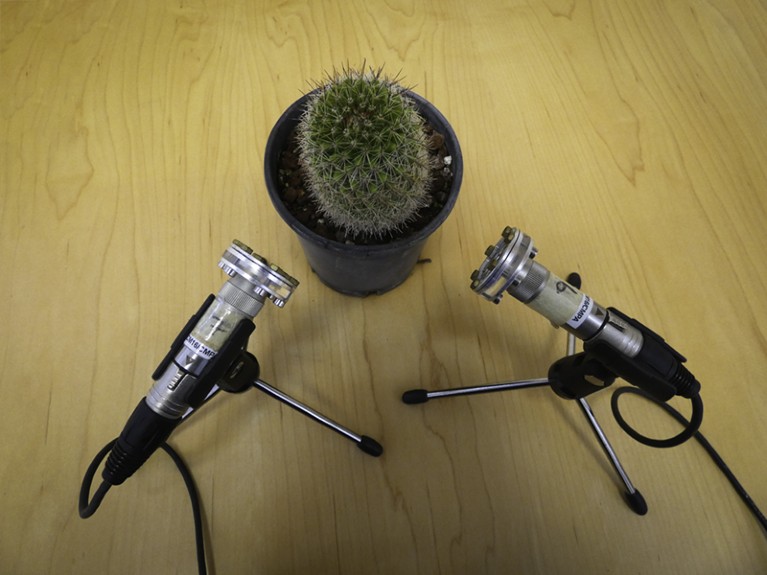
[633,496]
[365,443]
[211,394]
[422,396]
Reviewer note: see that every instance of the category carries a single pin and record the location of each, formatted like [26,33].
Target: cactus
[364,153]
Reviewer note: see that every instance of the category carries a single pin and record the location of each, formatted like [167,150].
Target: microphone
[201,355]
[620,343]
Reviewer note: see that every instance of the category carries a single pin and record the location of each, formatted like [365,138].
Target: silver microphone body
[510,267]
[252,281]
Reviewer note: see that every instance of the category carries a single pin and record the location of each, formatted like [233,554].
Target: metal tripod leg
[633,496]
[414,396]
[214,391]
[365,443]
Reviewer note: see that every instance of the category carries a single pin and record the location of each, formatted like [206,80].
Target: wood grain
[627,138]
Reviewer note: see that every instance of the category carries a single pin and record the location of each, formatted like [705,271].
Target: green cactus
[364,153]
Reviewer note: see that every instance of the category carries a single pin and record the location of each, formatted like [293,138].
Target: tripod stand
[572,377]
[245,373]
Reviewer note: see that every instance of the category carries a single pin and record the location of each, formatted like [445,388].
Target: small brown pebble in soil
[436,141]
[291,195]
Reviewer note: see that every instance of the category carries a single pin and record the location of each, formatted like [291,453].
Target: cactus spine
[364,153]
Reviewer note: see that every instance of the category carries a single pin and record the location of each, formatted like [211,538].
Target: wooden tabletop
[628,139]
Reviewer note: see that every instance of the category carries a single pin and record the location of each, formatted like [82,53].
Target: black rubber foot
[636,502]
[370,446]
[415,396]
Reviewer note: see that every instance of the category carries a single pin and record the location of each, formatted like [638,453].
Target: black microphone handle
[144,432]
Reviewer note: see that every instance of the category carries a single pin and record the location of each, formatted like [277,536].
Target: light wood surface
[629,139]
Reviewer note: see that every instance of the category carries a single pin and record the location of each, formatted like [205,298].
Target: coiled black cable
[691,430]
[88,506]
[691,427]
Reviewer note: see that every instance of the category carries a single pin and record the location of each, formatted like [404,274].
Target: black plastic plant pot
[360,270]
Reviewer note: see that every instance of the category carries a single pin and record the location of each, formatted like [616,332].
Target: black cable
[88,508]
[196,510]
[740,490]
[689,431]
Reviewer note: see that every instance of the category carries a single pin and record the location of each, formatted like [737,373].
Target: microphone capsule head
[506,267]
[256,276]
